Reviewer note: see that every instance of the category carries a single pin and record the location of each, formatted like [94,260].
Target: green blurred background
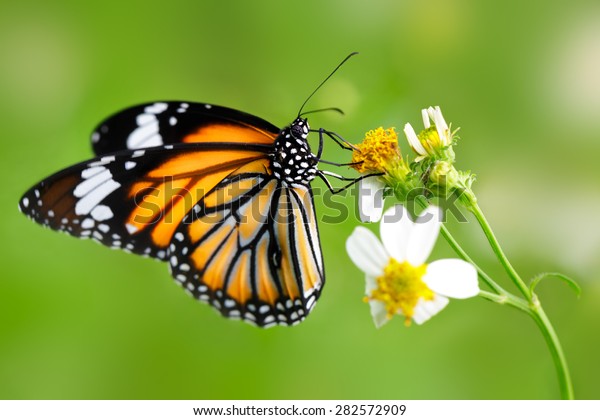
[522,81]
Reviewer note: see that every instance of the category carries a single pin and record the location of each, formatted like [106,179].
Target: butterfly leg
[328,162]
[320,151]
[343,143]
[321,131]
[323,175]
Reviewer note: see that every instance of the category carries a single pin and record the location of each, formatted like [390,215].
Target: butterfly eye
[299,128]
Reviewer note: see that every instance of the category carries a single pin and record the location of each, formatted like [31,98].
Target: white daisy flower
[435,115]
[434,139]
[398,281]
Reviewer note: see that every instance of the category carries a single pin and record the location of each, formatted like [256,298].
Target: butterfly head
[299,128]
[292,160]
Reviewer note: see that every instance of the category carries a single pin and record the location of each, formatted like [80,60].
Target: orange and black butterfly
[222,196]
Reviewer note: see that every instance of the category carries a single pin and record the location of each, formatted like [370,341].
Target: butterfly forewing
[169,122]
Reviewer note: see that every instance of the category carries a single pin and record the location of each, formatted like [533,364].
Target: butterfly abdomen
[293,162]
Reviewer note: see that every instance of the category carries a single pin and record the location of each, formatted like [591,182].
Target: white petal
[425,309]
[431,113]
[370,284]
[440,123]
[439,119]
[378,313]
[425,116]
[366,251]
[413,140]
[453,278]
[444,139]
[370,199]
[395,230]
[423,235]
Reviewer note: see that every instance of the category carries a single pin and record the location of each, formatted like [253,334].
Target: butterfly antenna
[339,111]
[323,82]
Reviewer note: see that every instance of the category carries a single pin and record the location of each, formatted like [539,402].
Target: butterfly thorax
[292,161]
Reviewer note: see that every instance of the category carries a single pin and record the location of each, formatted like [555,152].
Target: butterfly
[222,196]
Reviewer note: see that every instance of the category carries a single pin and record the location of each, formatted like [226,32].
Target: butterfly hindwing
[135,200]
[251,249]
[172,122]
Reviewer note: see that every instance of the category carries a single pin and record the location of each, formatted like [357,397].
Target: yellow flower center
[378,151]
[400,288]
[436,146]
[430,139]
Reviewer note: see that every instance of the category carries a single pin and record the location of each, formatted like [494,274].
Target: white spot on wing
[144,119]
[92,182]
[155,140]
[95,196]
[87,223]
[102,212]
[310,302]
[89,172]
[144,136]
[130,165]
[156,108]
[131,228]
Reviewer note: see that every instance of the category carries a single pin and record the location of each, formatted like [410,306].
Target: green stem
[462,254]
[535,309]
[506,299]
[487,230]
[531,305]
[560,361]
